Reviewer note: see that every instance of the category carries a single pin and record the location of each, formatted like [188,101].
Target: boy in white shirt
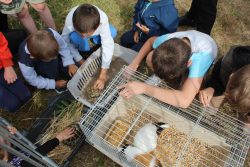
[86,22]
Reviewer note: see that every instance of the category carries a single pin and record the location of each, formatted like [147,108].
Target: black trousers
[203,12]
[3,22]
[13,36]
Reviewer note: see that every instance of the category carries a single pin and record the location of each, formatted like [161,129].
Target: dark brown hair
[42,45]
[238,89]
[2,153]
[170,59]
[86,18]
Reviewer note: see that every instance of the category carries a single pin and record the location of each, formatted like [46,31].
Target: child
[20,8]
[86,22]
[174,54]
[238,93]
[45,60]
[43,149]
[230,77]
[13,93]
[151,18]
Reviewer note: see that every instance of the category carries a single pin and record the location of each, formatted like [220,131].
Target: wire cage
[82,79]
[143,131]
[19,146]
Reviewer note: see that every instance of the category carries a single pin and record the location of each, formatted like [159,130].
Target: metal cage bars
[205,117]
[20,143]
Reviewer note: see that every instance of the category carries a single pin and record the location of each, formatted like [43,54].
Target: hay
[92,94]
[171,144]
[116,134]
[68,116]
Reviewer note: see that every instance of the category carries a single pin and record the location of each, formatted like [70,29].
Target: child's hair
[2,153]
[238,89]
[241,57]
[170,59]
[42,45]
[86,18]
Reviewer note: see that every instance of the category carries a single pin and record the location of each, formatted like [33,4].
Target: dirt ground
[232,27]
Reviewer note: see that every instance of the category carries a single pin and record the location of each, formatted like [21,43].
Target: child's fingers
[201,98]
[121,86]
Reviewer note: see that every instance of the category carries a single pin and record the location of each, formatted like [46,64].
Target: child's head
[86,19]
[170,59]
[42,45]
[238,89]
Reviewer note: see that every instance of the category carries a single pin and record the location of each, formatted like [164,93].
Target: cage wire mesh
[19,146]
[142,131]
[84,75]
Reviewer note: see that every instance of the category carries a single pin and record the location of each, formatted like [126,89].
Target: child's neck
[187,41]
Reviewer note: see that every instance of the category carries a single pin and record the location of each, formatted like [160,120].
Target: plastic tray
[41,124]
[89,68]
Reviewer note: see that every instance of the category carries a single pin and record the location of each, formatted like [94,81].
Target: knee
[79,42]
[75,37]
[113,31]
[39,7]
[24,13]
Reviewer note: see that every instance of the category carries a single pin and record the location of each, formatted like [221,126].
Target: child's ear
[189,63]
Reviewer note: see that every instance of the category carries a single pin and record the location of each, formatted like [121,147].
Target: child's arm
[39,82]
[179,98]
[68,28]
[100,82]
[6,60]
[147,47]
[67,58]
[107,54]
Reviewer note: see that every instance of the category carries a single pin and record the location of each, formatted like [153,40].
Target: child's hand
[9,75]
[132,88]
[72,68]
[6,1]
[136,37]
[206,95]
[61,83]
[100,82]
[81,62]
[143,28]
[12,129]
[65,134]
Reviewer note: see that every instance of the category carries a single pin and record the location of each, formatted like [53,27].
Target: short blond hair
[238,90]
[42,45]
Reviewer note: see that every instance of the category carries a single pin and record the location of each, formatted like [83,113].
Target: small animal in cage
[145,141]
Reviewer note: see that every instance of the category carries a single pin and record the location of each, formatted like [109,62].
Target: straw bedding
[68,116]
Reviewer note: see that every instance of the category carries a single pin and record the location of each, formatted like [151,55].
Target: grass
[232,27]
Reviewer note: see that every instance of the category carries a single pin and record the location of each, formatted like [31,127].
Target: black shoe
[186,21]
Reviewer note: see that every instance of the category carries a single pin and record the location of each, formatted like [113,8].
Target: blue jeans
[12,96]
[82,44]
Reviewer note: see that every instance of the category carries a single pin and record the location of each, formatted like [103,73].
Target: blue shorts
[82,44]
